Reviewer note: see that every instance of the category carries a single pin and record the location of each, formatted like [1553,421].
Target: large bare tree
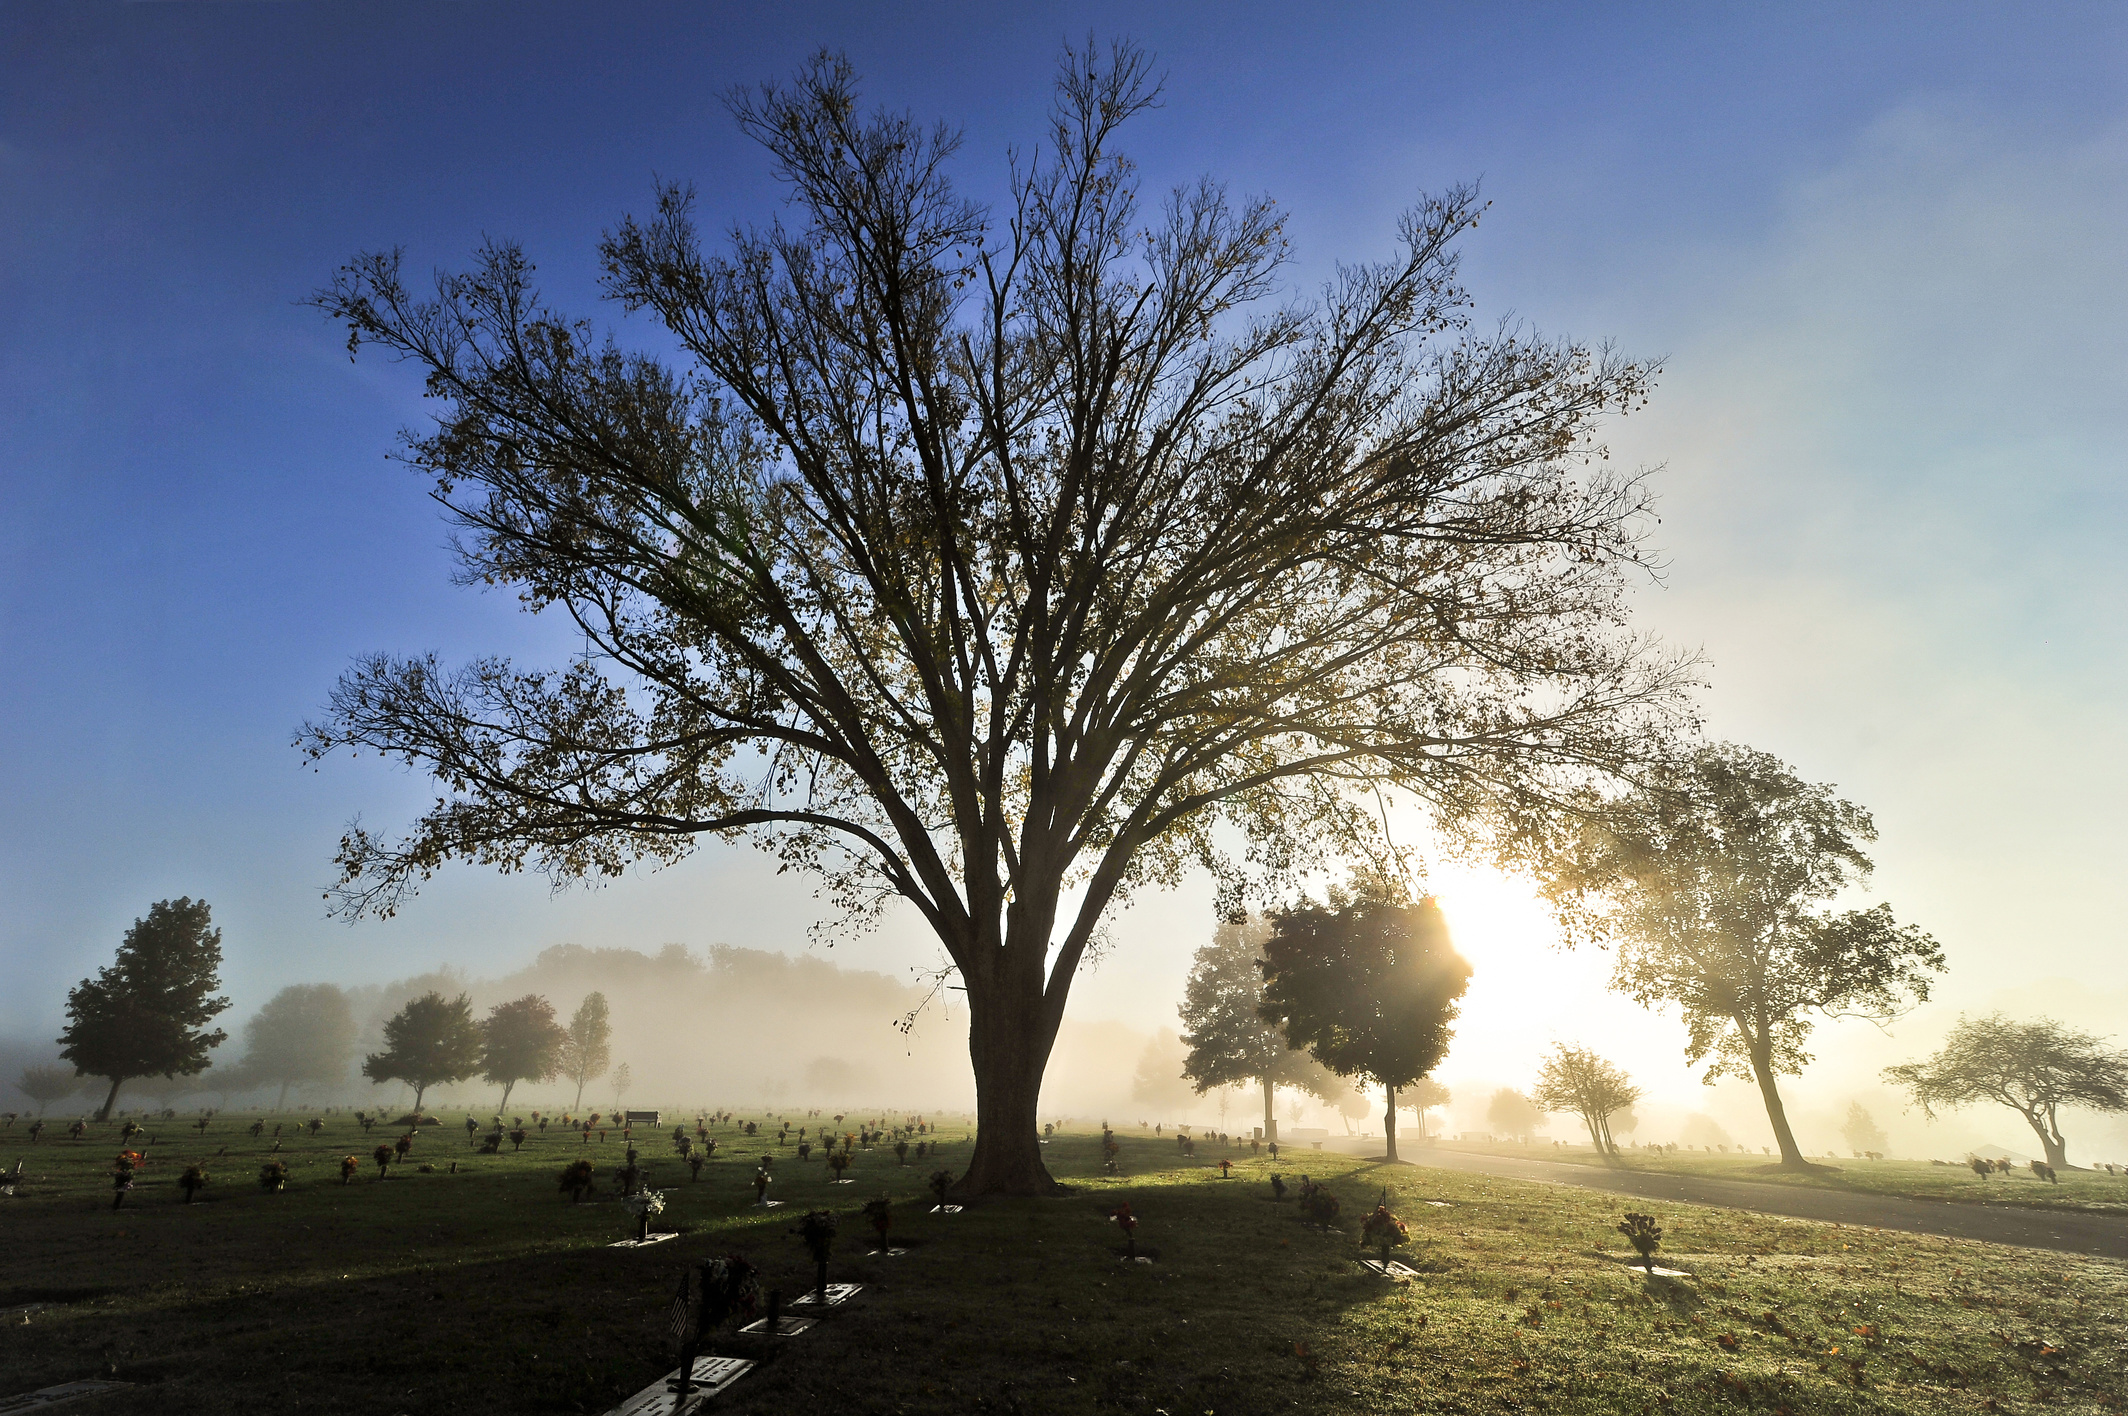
[1005,562]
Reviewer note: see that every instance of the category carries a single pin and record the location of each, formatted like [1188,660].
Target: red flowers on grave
[1129,1224]
[1383,1231]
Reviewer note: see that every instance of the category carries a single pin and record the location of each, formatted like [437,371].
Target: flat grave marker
[1392,1269]
[886,1253]
[711,1376]
[45,1398]
[838,1294]
[945,1209]
[785,1326]
[643,1243]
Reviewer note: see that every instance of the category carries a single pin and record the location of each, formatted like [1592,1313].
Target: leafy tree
[432,1041]
[1704,880]
[521,1042]
[1025,552]
[45,1085]
[305,1033]
[2033,1068]
[146,1014]
[1861,1130]
[1577,1080]
[1425,1095]
[1159,1083]
[1229,1042]
[1513,1114]
[1369,986]
[623,1079]
[587,1049]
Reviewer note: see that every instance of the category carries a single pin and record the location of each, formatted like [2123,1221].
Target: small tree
[623,1079]
[1704,879]
[432,1041]
[1426,1095]
[45,1085]
[1223,1025]
[1368,986]
[1861,1131]
[520,1042]
[587,1050]
[304,1034]
[1513,1114]
[2033,1068]
[1577,1080]
[146,1014]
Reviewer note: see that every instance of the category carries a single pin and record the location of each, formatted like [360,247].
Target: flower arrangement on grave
[1128,1222]
[901,1151]
[762,1180]
[1111,1153]
[192,1182]
[1278,1190]
[517,1140]
[36,1130]
[383,1156]
[576,1179]
[1317,1203]
[1383,1231]
[694,1167]
[839,1161]
[709,1148]
[258,1128]
[1226,1168]
[199,1125]
[316,1125]
[366,1121]
[729,1287]
[940,1182]
[122,1171]
[879,1214]
[273,1176]
[817,1232]
[643,1204]
[348,1166]
[1643,1234]
[404,1144]
[127,1132]
[805,1150]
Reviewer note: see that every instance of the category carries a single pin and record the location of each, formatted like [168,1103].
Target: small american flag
[683,1309]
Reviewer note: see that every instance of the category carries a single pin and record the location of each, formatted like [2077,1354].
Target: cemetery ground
[2083,1191]
[488,1290]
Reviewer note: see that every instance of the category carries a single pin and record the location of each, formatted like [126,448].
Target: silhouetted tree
[520,1042]
[146,1014]
[1861,1131]
[432,1041]
[1223,1026]
[1513,1114]
[305,1033]
[45,1085]
[587,1050]
[1704,879]
[1368,986]
[2033,1068]
[1577,1080]
[1024,552]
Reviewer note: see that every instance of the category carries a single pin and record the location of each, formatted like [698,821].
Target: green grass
[487,1291]
[2084,1191]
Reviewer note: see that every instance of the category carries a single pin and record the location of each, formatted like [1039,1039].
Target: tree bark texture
[1389,1121]
[1762,1071]
[110,1099]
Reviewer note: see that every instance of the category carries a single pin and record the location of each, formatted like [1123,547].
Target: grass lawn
[2086,1191]
[486,1290]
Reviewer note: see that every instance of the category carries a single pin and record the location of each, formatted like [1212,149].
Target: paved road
[2103,1235]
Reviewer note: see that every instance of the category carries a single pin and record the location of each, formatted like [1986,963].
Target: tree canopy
[47,1084]
[1368,985]
[1576,1080]
[2033,1068]
[1705,879]
[432,1041]
[1513,1114]
[146,1013]
[521,1042]
[1229,1042]
[306,1033]
[587,1050]
[991,561]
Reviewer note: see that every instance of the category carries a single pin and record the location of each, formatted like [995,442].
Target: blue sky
[1878,246]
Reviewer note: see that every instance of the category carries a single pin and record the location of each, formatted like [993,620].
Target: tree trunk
[419,1092]
[111,1100]
[579,1095]
[281,1101]
[1270,1121]
[1762,1070]
[1008,1044]
[1389,1122]
[507,1088]
[2051,1139]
